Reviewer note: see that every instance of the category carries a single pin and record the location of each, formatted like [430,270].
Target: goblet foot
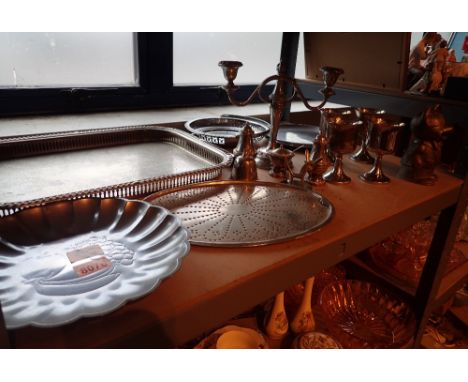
[373,176]
[336,174]
[338,178]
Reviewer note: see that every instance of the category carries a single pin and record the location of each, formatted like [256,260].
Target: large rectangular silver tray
[115,162]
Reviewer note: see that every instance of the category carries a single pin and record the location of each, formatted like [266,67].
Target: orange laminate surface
[214,284]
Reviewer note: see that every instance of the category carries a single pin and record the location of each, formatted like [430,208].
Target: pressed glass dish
[403,255]
[362,315]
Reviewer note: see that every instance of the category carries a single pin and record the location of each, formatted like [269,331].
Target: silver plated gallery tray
[237,213]
[87,257]
[295,135]
[225,130]
[116,162]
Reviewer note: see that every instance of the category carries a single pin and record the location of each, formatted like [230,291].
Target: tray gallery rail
[114,162]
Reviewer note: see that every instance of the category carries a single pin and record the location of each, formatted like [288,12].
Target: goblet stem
[337,175]
[376,175]
[378,166]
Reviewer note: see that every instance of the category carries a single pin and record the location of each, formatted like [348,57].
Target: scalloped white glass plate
[82,258]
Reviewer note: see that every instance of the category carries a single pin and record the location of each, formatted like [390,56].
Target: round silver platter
[294,135]
[238,213]
[225,131]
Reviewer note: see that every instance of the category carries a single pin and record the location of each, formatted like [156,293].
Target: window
[74,72]
[196,56]
[57,60]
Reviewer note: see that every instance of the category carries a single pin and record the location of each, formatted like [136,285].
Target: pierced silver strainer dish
[238,213]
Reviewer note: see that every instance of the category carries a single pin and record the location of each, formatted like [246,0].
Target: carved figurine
[438,62]
[417,56]
[244,167]
[425,148]
[452,58]
[303,320]
[277,325]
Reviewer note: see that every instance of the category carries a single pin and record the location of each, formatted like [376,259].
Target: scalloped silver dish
[86,257]
[238,213]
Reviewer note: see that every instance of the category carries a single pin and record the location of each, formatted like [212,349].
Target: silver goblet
[366,114]
[383,132]
[349,114]
[342,135]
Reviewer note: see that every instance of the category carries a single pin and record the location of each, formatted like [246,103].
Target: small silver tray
[86,257]
[295,135]
[237,213]
[225,131]
[117,162]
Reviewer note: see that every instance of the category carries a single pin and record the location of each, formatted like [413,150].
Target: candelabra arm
[258,91]
[304,100]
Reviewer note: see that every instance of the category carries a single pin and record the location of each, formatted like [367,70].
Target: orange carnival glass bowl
[362,315]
